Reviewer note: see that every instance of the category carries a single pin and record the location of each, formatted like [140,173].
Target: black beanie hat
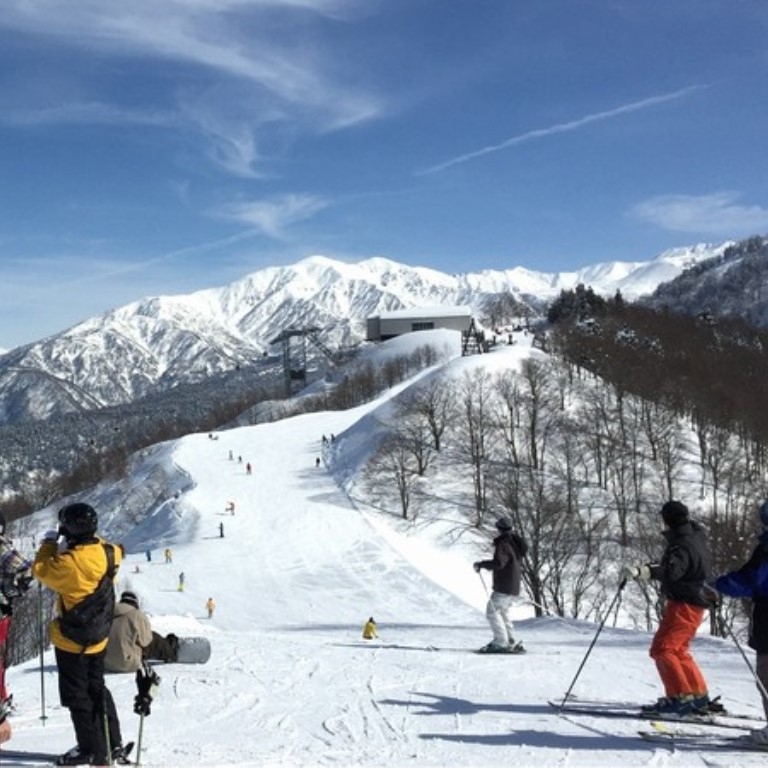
[503,524]
[675,513]
[130,598]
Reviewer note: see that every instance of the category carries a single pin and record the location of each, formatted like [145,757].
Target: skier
[181,581]
[221,530]
[74,572]
[369,630]
[129,635]
[148,555]
[230,507]
[248,468]
[210,606]
[684,568]
[751,581]
[508,550]
[15,579]
[168,555]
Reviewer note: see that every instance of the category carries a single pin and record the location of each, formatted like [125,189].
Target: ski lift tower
[294,345]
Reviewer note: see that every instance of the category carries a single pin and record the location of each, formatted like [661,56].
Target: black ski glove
[146,680]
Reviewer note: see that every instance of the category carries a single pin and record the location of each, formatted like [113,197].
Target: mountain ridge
[155,343]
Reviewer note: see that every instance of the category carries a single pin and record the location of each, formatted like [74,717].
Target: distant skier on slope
[508,550]
[684,568]
[369,630]
[751,581]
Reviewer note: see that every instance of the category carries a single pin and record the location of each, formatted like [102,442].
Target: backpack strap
[109,550]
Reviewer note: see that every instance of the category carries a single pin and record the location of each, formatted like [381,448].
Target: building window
[422,326]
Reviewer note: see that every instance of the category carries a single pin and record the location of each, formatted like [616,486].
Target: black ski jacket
[508,550]
[685,565]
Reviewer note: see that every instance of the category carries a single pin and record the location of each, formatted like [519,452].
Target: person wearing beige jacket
[130,634]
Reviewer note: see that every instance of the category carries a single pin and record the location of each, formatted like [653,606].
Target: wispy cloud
[274,215]
[716,214]
[247,47]
[571,125]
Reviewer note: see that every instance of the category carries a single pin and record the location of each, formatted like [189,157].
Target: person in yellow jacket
[369,630]
[73,569]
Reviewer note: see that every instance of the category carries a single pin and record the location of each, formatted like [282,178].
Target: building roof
[440,310]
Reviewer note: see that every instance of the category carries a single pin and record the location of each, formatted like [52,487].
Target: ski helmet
[78,520]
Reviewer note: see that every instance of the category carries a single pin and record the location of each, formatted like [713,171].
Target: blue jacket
[751,581]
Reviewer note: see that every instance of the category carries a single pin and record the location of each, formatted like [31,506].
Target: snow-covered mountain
[156,343]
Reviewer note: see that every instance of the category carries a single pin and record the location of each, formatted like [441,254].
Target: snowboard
[193,650]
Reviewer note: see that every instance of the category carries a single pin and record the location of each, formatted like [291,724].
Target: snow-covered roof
[437,311]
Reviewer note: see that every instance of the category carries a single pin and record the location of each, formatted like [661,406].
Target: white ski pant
[499,615]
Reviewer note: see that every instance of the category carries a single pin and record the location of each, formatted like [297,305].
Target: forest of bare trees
[582,446]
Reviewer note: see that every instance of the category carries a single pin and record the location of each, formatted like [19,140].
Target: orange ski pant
[670,650]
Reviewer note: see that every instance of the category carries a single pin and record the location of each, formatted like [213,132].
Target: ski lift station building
[399,321]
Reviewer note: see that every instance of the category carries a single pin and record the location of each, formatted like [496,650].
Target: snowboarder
[210,607]
[72,572]
[168,555]
[751,581]
[370,630]
[129,635]
[181,581]
[15,579]
[684,568]
[508,550]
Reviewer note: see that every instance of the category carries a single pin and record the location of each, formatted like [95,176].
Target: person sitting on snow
[369,630]
[129,635]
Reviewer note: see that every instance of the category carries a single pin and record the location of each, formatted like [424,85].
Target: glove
[709,594]
[141,705]
[477,567]
[636,572]
[146,680]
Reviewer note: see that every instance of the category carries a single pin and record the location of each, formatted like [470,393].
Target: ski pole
[41,641]
[485,586]
[622,584]
[726,628]
[107,739]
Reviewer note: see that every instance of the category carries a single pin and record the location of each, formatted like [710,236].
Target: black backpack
[89,622]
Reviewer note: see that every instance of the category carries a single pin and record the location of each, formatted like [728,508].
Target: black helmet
[78,520]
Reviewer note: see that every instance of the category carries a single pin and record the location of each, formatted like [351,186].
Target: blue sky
[161,146]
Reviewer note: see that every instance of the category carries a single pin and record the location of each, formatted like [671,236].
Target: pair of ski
[30,758]
[675,730]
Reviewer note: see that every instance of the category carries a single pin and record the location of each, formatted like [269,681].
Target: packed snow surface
[291,682]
